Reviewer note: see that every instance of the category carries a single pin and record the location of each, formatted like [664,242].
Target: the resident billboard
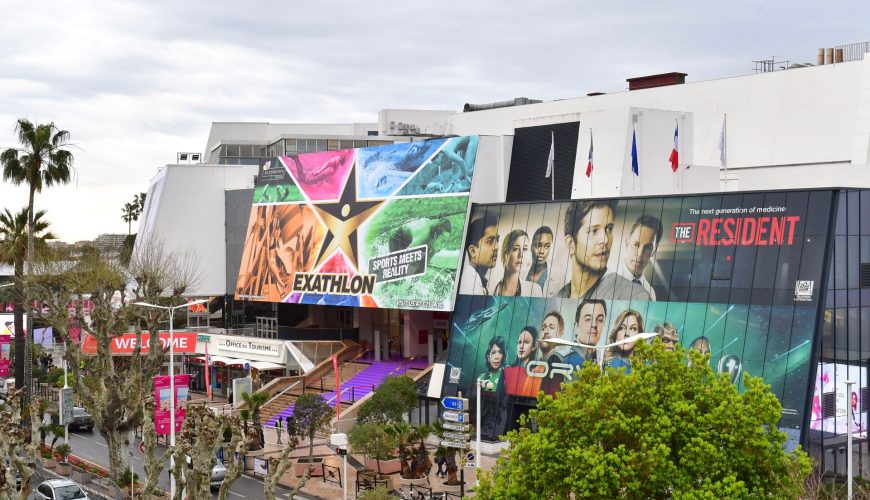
[736,275]
[370,227]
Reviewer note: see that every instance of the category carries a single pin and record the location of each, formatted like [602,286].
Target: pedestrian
[440,461]
[279,426]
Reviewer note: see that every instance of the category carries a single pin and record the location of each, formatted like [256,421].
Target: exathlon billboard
[370,227]
[735,275]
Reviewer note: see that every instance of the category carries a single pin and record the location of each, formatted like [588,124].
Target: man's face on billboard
[541,245]
[639,249]
[549,330]
[588,331]
[592,242]
[485,252]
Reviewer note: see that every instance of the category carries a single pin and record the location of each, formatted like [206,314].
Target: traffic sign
[458,436]
[456,427]
[470,456]
[469,465]
[451,403]
[66,405]
[455,416]
[454,444]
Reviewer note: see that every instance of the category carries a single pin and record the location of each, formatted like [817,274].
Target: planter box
[390,466]
[49,463]
[63,468]
[302,466]
[423,481]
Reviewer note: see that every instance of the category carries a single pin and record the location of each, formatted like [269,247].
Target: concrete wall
[187,214]
[783,119]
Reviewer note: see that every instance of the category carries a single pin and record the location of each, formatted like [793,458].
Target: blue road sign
[452,403]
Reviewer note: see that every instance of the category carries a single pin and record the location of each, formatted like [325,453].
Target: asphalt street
[92,446]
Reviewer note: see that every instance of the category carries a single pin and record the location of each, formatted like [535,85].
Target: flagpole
[724,156]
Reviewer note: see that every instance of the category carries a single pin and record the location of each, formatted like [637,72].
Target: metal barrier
[369,481]
[332,474]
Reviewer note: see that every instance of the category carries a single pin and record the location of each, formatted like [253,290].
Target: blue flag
[634,166]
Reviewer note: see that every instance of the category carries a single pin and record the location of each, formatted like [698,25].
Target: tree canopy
[394,398]
[669,429]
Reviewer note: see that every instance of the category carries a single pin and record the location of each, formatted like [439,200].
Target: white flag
[551,157]
[722,142]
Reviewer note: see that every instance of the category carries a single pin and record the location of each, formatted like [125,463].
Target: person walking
[279,427]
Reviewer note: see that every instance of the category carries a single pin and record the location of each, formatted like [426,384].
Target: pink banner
[162,392]
[4,355]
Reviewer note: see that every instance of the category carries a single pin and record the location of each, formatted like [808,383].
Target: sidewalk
[317,487]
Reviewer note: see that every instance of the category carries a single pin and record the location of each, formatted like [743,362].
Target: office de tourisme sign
[185,342]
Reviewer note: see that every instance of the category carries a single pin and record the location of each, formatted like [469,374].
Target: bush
[390,402]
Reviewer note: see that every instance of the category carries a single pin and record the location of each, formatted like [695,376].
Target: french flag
[589,165]
[675,153]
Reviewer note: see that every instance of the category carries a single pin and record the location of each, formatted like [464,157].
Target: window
[332,144]
[290,145]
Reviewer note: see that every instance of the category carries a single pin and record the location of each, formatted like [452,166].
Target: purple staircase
[357,387]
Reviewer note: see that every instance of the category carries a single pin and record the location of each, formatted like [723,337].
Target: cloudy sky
[136,82]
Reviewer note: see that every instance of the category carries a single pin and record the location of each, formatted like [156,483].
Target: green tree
[13,250]
[666,430]
[255,403]
[313,415]
[390,402]
[128,215]
[372,440]
[43,160]
[139,202]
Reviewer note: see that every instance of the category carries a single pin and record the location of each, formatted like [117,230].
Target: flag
[551,157]
[722,142]
[207,374]
[589,165]
[337,386]
[675,153]
[634,166]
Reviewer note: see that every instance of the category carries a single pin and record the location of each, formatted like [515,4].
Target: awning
[259,365]
[265,365]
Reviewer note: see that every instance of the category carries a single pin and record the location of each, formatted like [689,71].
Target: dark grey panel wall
[238,210]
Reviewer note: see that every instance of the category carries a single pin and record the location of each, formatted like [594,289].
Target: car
[81,420]
[60,489]
[218,472]
[6,385]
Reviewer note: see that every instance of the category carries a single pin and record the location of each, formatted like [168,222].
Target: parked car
[218,472]
[6,385]
[81,420]
[60,489]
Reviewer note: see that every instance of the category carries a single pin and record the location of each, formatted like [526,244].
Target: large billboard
[735,275]
[370,227]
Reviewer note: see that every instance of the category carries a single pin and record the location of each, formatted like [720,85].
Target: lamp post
[599,349]
[171,310]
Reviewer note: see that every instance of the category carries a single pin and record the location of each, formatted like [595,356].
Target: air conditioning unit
[188,158]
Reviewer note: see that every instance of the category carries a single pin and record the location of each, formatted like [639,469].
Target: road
[92,446]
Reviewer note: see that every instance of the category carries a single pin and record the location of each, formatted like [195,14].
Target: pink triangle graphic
[321,176]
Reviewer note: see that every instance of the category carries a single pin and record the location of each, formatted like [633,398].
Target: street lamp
[171,310]
[599,349]
[849,385]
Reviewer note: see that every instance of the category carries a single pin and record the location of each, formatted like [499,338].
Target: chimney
[820,61]
[662,80]
[829,56]
[838,55]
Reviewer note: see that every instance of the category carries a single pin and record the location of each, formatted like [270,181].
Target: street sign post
[456,436]
[454,444]
[453,426]
[451,403]
[455,416]
[66,405]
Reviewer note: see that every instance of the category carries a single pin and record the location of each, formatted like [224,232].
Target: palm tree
[255,403]
[139,202]
[13,250]
[43,160]
[128,214]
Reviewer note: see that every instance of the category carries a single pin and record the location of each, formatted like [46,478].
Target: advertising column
[4,355]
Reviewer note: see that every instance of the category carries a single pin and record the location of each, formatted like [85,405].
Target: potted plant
[449,456]
[413,456]
[372,440]
[64,450]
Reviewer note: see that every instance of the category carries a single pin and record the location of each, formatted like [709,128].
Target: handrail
[294,384]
